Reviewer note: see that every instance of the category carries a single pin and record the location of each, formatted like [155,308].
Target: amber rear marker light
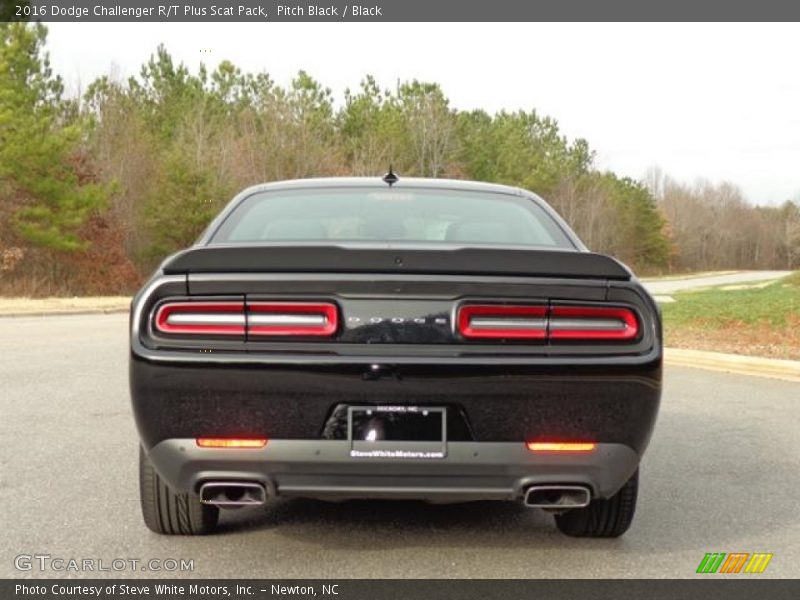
[561,446]
[231,442]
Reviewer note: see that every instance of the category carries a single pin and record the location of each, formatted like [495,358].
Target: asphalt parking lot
[721,475]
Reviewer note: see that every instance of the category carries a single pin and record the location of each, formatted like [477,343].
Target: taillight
[291,318]
[198,318]
[254,318]
[206,442]
[558,447]
[556,323]
[592,323]
[502,321]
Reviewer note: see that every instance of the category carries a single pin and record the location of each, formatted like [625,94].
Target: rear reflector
[502,321]
[231,442]
[592,323]
[197,318]
[561,446]
[292,318]
[589,323]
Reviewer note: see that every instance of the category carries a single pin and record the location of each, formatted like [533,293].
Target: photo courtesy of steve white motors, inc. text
[170,589]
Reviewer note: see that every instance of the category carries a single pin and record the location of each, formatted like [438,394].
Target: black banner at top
[398,10]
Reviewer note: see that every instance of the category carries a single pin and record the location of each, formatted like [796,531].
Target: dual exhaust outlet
[233,494]
[557,497]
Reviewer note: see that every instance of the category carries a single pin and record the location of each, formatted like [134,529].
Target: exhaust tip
[232,494]
[557,496]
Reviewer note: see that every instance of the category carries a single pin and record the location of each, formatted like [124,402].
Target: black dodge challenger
[393,338]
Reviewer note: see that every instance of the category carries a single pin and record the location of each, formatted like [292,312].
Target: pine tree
[44,198]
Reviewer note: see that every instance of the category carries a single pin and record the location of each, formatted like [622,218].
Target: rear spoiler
[343,259]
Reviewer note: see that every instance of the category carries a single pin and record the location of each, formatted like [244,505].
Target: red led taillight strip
[501,321]
[201,318]
[292,318]
[592,323]
[498,321]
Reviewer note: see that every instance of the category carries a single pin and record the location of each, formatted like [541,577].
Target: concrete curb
[788,370]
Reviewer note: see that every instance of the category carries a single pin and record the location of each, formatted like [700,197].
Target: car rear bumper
[326,469]
[610,404]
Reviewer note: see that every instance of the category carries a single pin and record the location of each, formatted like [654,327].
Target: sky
[719,102]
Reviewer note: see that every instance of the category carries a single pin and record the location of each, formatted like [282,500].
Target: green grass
[776,305]
[793,279]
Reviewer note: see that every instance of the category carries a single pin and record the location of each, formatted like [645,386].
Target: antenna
[391,178]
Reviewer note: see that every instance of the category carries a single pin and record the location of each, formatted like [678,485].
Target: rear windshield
[391,215]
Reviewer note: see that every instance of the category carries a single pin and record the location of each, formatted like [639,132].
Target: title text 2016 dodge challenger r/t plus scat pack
[393,338]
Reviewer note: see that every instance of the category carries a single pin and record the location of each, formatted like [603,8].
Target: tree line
[96,188]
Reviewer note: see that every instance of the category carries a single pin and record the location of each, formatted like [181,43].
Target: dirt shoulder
[746,341]
[42,306]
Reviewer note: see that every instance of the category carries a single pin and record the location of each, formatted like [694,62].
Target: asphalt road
[721,475]
[670,286]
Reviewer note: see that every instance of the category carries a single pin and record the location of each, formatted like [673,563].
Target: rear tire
[168,512]
[603,518]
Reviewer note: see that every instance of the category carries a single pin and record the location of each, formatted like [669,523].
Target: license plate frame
[433,447]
